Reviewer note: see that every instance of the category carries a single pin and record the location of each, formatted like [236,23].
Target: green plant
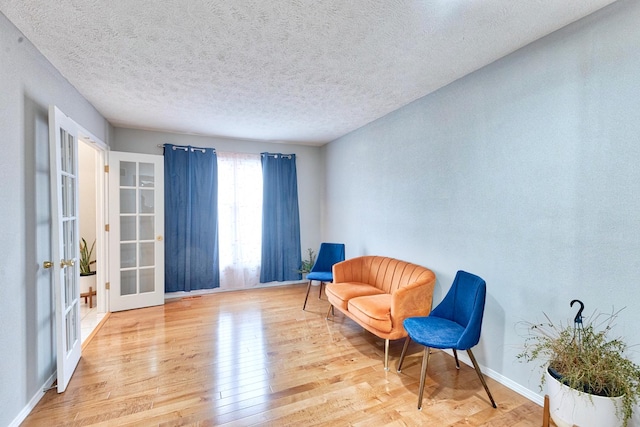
[586,358]
[85,257]
[307,264]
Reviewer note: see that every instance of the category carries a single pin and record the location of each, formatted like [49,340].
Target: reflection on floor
[89,319]
[256,358]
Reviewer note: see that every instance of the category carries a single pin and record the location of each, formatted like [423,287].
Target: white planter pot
[568,407]
[86,281]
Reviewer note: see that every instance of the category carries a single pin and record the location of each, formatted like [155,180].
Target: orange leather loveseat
[378,293]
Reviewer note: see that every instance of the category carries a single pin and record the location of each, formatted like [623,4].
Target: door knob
[47,264]
[67,263]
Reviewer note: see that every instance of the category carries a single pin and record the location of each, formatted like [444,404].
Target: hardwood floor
[255,358]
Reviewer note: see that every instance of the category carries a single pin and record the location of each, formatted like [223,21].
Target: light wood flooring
[254,357]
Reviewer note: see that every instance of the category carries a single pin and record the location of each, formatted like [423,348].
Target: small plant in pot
[584,358]
[85,258]
[307,264]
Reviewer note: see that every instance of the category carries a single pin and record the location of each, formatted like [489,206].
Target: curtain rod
[186,148]
[288,156]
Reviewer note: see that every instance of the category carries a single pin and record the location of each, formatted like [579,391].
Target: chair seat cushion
[322,276]
[434,332]
[340,293]
[373,310]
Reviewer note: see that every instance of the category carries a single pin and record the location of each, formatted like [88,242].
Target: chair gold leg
[306,296]
[423,375]
[455,356]
[482,380]
[320,290]
[404,352]
[386,354]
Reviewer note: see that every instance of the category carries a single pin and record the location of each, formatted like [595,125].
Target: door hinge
[107,285]
[106,168]
[106,227]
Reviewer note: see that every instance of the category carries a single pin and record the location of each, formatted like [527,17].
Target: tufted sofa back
[386,274]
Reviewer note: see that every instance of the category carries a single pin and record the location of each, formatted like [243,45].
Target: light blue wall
[28,84]
[526,172]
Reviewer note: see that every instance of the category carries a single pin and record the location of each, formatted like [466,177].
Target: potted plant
[85,258]
[87,277]
[583,365]
[307,264]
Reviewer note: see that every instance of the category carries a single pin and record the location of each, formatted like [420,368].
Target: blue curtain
[191,218]
[281,255]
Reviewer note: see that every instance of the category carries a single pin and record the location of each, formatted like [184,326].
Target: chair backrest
[329,254]
[464,304]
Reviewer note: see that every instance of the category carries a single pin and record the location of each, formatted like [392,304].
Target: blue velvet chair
[455,323]
[322,270]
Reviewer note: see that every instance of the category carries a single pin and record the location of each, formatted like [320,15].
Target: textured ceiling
[281,70]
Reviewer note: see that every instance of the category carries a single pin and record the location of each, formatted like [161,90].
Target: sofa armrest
[340,271]
[414,299]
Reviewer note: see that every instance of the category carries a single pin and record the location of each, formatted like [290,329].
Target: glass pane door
[65,242]
[137,240]
[137,225]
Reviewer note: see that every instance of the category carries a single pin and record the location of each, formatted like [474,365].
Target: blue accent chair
[455,323]
[322,270]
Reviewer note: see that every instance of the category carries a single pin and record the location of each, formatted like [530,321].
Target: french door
[63,154]
[136,229]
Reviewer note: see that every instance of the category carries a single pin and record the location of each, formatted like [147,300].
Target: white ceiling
[281,70]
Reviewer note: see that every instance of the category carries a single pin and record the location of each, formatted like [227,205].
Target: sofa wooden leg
[330,312]
[386,354]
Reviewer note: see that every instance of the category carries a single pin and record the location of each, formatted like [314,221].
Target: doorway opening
[93,301]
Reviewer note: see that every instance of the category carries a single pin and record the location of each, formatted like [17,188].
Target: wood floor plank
[253,357]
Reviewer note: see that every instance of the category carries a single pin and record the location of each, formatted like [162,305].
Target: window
[239,219]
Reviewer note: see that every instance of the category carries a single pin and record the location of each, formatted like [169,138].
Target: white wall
[87,188]
[526,172]
[309,167]
[28,84]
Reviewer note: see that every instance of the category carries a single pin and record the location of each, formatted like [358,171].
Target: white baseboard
[33,402]
[182,294]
